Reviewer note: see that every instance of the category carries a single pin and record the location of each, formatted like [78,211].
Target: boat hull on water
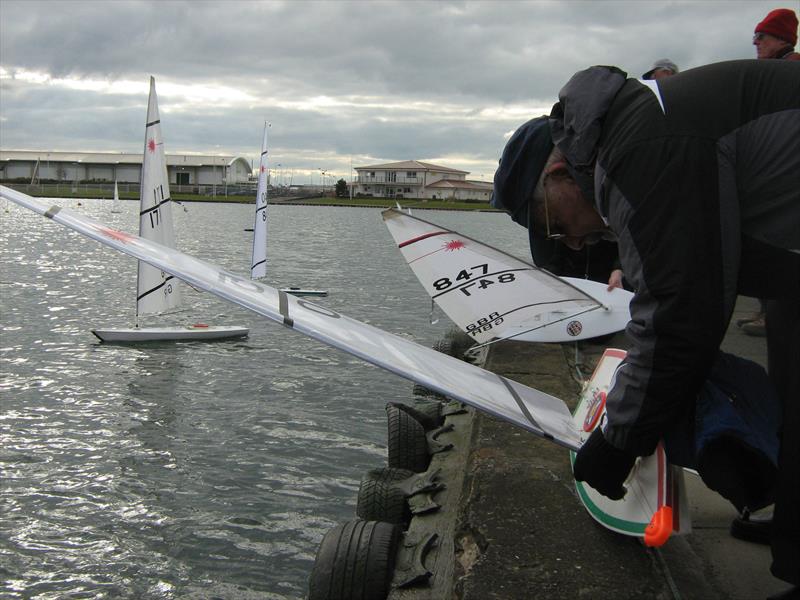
[176,333]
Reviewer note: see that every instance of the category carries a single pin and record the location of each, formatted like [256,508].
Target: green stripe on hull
[629,527]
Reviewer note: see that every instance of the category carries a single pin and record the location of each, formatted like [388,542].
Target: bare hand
[615,280]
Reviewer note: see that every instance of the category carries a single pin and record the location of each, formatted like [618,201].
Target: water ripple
[189,470]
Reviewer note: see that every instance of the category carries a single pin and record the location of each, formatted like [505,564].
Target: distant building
[415,179]
[182,169]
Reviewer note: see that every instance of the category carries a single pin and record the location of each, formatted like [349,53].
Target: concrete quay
[511,526]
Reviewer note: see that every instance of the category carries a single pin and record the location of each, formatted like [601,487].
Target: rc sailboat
[492,295]
[258,264]
[157,291]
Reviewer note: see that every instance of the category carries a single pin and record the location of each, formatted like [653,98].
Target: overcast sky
[444,82]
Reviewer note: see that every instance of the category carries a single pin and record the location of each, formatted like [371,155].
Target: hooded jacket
[699,176]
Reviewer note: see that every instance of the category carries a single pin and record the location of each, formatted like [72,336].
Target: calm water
[192,470]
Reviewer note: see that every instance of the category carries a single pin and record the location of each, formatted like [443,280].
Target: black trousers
[783,358]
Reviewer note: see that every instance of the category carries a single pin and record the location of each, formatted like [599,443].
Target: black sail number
[473,280]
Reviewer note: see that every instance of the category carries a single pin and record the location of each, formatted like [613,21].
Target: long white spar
[535,411]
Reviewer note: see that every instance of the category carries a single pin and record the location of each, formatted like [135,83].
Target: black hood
[576,121]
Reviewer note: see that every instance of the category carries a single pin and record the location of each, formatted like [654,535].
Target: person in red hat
[776,35]
[774,38]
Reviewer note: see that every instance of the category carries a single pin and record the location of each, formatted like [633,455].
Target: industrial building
[416,179]
[30,166]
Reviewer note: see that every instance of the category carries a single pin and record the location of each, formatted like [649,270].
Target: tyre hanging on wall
[381,499]
[408,447]
[355,561]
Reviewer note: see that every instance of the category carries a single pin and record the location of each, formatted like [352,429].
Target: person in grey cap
[663,67]
[696,176]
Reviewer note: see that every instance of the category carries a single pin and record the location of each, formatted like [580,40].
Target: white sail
[490,294]
[258,264]
[156,291]
[116,192]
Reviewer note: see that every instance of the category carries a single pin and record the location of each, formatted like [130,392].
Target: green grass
[391,203]
[65,191]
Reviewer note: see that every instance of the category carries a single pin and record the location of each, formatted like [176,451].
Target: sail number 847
[481,280]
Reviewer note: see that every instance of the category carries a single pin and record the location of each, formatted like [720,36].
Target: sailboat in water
[258,263]
[157,291]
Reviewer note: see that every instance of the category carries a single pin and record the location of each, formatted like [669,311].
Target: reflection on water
[184,470]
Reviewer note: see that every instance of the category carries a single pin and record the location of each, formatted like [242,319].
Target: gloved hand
[603,466]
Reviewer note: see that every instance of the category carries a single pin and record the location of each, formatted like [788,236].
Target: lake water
[202,470]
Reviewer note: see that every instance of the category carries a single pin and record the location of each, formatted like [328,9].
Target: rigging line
[511,337]
[513,310]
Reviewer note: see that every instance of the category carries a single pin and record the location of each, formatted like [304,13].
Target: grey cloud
[468,54]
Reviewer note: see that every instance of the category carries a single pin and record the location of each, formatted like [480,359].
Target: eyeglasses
[550,236]
[757,37]
[590,239]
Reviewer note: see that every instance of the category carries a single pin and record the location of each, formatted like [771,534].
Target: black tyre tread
[380,500]
[421,390]
[408,447]
[445,346]
[355,561]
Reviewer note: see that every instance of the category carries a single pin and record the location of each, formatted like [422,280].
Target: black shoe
[752,529]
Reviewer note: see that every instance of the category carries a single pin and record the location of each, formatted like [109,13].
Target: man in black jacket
[698,177]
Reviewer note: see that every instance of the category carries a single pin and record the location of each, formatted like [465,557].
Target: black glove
[603,466]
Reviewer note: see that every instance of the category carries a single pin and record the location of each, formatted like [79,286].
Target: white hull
[166,334]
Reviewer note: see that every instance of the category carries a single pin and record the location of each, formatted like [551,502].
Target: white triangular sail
[258,261]
[156,291]
[116,191]
[258,264]
[492,295]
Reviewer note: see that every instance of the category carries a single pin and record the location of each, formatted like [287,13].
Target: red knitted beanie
[781,23]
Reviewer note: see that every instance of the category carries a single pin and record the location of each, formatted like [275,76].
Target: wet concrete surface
[511,525]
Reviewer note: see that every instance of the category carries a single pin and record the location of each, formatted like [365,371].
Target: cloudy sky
[371,82]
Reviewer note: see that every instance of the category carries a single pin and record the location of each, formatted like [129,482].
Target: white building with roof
[420,180]
[183,169]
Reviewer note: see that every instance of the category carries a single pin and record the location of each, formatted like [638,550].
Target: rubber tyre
[431,409]
[445,346]
[408,447]
[421,390]
[355,561]
[380,500]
